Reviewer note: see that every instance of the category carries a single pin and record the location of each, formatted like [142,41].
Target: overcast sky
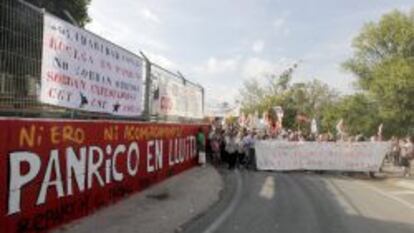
[220,43]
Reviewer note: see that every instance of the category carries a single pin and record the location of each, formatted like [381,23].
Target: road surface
[308,203]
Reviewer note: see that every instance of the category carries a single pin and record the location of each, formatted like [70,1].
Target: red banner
[56,171]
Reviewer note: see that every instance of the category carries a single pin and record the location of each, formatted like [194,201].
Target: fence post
[33,7]
[184,80]
[148,84]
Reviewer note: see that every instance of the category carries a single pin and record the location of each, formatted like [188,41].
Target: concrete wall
[55,171]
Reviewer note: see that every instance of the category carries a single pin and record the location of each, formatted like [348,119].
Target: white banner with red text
[339,156]
[83,71]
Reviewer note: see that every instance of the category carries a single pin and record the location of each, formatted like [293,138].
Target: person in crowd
[359,138]
[331,137]
[301,137]
[223,152]
[201,146]
[201,140]
[241,155]
[209,153]
[215,142]
[395,151]
[248,142]
[311,137]
[320,138]
[231,148]
[283,135]
[407,155]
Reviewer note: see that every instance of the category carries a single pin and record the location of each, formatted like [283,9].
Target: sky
[221,43]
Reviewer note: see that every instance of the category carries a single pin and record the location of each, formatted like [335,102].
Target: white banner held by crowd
[83,71]
[339,156]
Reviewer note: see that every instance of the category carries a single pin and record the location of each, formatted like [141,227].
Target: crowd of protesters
[402,153]
[233,145]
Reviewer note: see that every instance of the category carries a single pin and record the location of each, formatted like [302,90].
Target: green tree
[359,112]
[260,96]
[383,63]
[252,95]
[78,9]
[306,98]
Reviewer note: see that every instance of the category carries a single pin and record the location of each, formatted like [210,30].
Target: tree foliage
[358,111]
[383,63]
[78,9]
[302,98]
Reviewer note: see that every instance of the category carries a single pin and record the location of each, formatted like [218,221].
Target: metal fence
[21,38]
[157,70]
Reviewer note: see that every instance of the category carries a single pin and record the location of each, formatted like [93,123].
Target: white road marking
[388,195]
[405,184]
[268,189]
[402,192]
[385,194]
[348,208]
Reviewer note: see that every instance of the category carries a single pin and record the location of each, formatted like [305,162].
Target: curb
[213,217]
[230,209]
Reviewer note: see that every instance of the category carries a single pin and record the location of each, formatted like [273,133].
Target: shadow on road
[302,202]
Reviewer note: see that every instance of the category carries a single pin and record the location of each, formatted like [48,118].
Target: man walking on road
[231,149]
[407,155]
[201,147]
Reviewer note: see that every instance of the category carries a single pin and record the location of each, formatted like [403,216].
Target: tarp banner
[340,156]
[83,71]
[175,97]
[54,171]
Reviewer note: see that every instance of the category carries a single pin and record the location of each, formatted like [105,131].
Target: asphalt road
[265,202]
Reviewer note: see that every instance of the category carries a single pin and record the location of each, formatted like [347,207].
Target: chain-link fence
[21,31]
[21,39]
